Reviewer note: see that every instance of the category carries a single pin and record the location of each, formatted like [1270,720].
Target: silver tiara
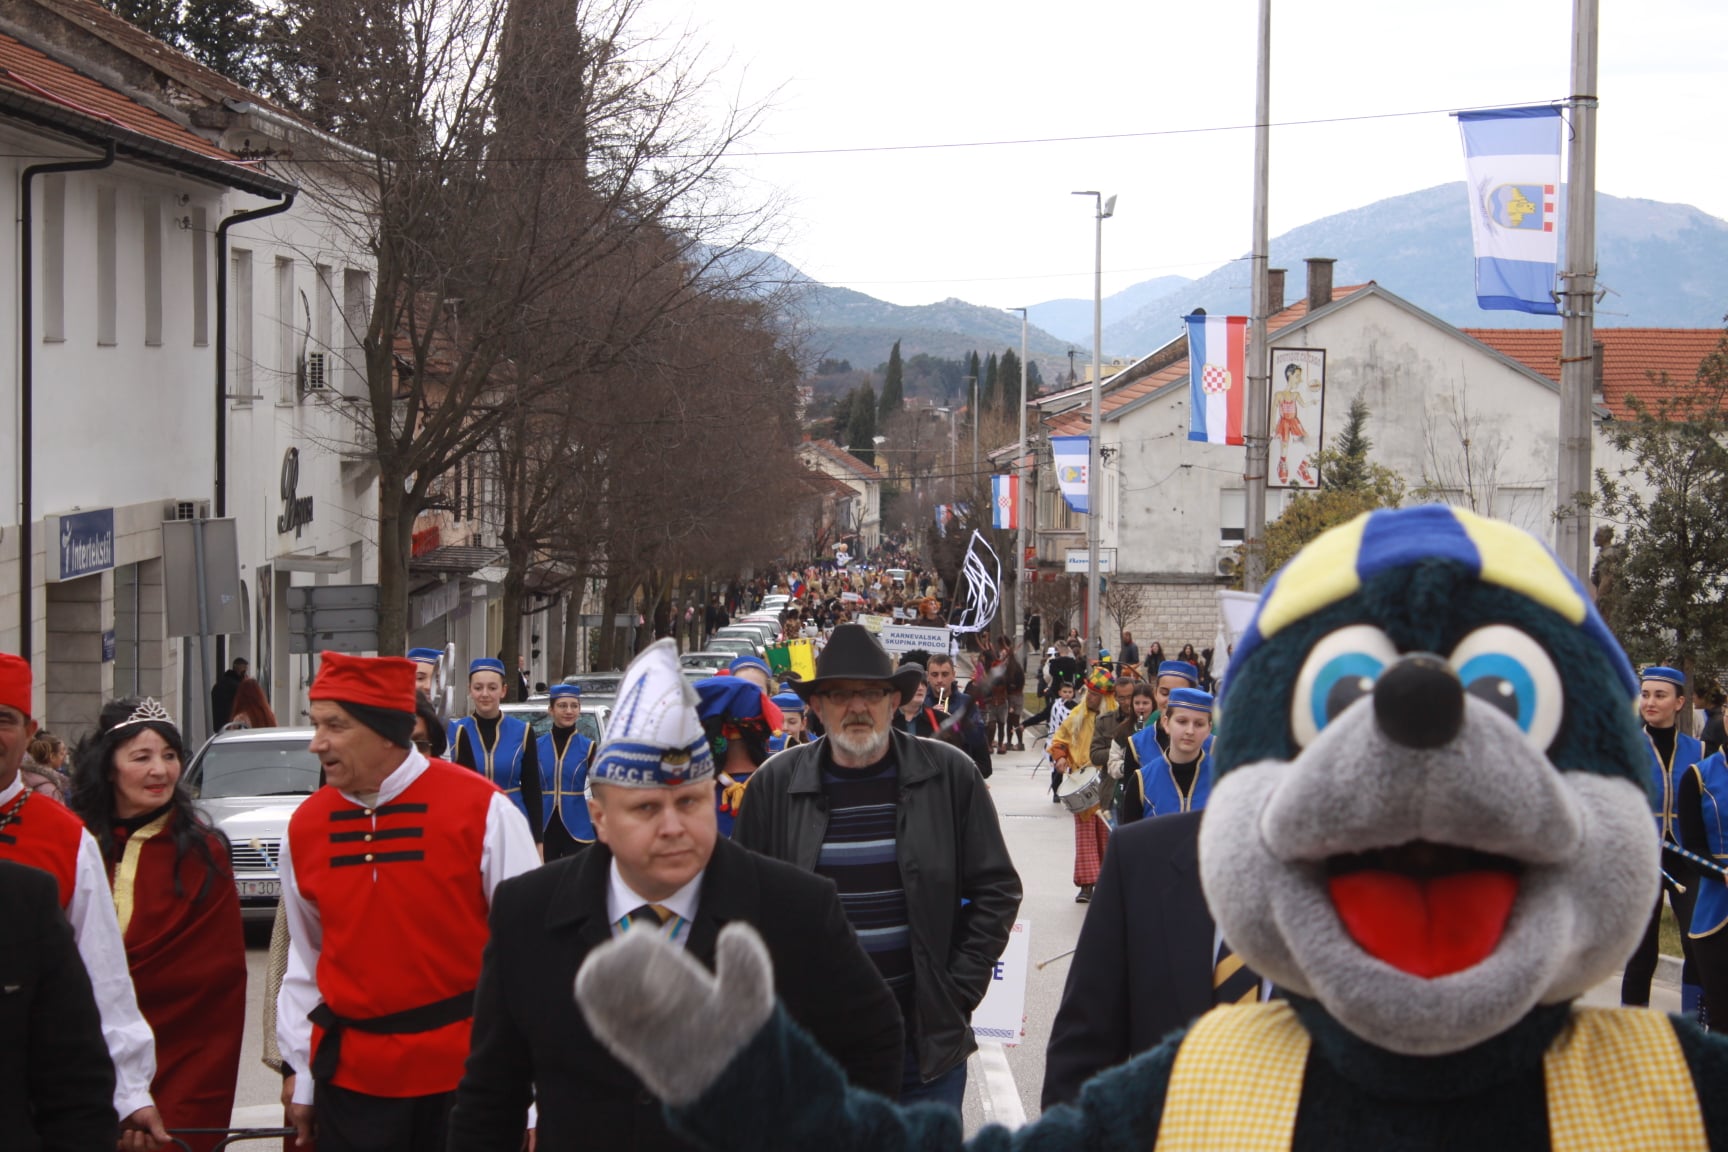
[149,711]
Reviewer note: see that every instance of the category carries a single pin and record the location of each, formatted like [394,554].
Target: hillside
[1666,264]
[1071,320]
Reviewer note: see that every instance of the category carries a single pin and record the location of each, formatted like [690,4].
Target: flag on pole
[1073,456]
[1005,501]
[942,520]
[981,594]
[1512,169]
[1217,378]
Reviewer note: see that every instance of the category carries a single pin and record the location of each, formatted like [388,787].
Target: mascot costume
[1428,827]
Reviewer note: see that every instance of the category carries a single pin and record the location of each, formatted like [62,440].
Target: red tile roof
[1076,421]
[1630,358]
[845,459]
[26,70]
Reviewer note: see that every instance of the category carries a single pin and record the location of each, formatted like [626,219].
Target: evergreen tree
[1034,380]
[893,387]
[861,425]
[974,369]
[987,387]
[1008,377]
[1348,470]
[223,35]
[160,18]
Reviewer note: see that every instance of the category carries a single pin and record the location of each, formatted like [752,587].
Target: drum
[1081,789]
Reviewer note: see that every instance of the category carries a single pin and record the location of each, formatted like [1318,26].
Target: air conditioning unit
[1228,566]
[187,510]
[312,375]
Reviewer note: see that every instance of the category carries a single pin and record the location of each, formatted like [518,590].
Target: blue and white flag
[1073,457]
[1512,163]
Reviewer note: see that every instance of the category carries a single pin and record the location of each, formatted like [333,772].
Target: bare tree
[1462,453]
[1126,603]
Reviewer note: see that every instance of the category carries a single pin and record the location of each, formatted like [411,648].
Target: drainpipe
[220,508]
[27,379]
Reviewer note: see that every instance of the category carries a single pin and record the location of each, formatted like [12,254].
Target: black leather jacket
[950,848]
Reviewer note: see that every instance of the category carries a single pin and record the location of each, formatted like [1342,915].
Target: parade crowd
[441,889]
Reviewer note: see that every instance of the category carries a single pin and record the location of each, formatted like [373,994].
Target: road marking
[999,1094]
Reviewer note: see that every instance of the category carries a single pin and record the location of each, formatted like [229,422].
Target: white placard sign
[898,638]
[1002,1014]
[873,622]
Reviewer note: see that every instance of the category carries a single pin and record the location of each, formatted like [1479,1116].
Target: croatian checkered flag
[983,572]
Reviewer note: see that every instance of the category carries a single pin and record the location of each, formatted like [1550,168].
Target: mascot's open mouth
[1426,909]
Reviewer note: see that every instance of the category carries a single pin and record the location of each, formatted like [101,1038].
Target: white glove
[1117,761]
[661,1013]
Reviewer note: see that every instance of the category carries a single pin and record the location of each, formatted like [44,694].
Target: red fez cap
[376,681]
[14,682]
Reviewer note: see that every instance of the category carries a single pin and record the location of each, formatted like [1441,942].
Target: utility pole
[1255,421]
[974,381]
[1578,299]
[1017,604]
[1094,506]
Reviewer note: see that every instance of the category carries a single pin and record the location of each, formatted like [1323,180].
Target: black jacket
[529,1034]
[1143,967]
[962,891]
[222,698]
[56,1081]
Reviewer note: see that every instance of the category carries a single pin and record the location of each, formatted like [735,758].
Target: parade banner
[1001,1015]
[983,572]
[1297,415]
[1512,169]
[1073,455]
[902,638]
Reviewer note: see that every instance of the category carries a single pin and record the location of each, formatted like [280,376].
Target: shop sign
[84,543]
[296,509]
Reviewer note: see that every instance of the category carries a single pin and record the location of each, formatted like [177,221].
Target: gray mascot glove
[665,1017]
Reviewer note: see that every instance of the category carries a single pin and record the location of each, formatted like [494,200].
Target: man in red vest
[387,881]
[37,831]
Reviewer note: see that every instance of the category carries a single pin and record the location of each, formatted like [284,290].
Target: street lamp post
[1103,210]
[1017,604]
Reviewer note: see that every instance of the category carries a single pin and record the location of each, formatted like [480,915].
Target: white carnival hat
[654,739]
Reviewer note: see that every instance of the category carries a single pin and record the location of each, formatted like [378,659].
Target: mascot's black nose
[1419,702]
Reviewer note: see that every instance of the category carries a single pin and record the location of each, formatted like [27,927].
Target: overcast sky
[997,226]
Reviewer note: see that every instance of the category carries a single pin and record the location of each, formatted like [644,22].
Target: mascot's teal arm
[782,1093]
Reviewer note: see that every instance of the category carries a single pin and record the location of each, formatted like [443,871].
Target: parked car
[591,723]
[732,646]
[249,781]
[758,634]
[596,683]
[707,663]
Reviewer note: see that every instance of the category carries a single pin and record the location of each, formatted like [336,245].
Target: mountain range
[1663,265]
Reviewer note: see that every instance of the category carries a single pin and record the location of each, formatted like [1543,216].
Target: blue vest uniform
[564,785]
[1666,778]
[1158,785]
[501,763]
[1711,911]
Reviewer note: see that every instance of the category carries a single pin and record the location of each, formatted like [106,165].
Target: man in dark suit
[1143,967]
[56,1081]
[659,866]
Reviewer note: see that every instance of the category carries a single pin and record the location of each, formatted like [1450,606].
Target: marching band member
[565,755]
[1070,750]
[499,747]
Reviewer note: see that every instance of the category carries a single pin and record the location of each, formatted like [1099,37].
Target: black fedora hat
[854,653]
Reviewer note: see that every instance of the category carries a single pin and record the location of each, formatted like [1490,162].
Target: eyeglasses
[864,695]
[425,747]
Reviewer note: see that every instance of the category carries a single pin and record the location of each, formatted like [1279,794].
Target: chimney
[1275,289]
[1597,395]
[1319,281]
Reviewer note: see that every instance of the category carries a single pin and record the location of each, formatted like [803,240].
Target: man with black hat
[660,866]
[906,830]
[395,858]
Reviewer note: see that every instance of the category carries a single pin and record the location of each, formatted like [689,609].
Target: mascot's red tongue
[1427,926]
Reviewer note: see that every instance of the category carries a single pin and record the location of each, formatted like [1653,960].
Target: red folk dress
[188,961]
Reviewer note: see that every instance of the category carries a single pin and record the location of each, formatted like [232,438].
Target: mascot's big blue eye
[1340,669]
[1507,668]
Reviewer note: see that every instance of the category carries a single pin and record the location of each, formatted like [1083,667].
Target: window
[52,301]
[1232,515]
[240,381]
[356,314]
[153,272]
[322,306]
[1528,508]
[200,277]
[287,332]
[105,290]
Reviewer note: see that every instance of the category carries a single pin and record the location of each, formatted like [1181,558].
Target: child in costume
[1429,827]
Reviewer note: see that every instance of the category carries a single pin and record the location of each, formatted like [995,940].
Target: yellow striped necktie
[653,915]
[1233,982]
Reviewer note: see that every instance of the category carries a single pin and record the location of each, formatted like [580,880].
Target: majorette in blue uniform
[503,763]
[1665,778]
[1159,792]
[566,827]
[789,703]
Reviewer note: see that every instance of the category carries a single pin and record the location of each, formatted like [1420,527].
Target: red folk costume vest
[400,895]
[42,833]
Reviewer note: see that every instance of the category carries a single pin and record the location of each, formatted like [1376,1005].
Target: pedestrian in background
[250,710]
[222,692]
[178,910]
[906,830]
[44,767]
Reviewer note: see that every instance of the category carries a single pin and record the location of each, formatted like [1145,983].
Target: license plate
[259,888]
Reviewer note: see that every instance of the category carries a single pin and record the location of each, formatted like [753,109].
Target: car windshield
[257,768]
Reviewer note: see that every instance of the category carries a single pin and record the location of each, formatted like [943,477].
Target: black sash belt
[426,1018]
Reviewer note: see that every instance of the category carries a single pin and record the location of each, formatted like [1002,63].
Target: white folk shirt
[508,850]
[96,927]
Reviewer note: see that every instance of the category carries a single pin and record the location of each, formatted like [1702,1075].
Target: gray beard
[865,750]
